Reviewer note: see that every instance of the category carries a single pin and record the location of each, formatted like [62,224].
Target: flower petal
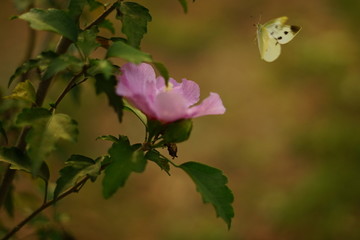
[190,91]
[211,105]
[136,79]
[170,106]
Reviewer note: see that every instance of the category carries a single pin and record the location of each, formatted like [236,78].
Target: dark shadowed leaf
[124,159]
[46,130]
[40,62]
[122,50]
[107,25]
[161,161]
[20,161]
[3,133]
[211,184]
[134,18]
[77,167]
[107,86]
[53,20]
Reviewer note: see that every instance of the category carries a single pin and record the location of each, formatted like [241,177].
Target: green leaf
[162,70]
[76,7]
[103,67]
[127,52]
[134,18]
[211,184]
[20,161]
[125,159]
[78,167]
[107,86]
[87,41]
[24,91]
[142,117]
[161,161]
[107,25]
[46,130]
[95,4]
[53,20]
[24,68]
[60,63]
[184,5]
[3,133]
[40,62]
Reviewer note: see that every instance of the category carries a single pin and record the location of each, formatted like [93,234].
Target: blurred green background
[289,141]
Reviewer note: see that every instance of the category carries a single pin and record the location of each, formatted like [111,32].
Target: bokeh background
[289,142]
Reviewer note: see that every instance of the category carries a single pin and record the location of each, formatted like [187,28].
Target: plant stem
[44,206]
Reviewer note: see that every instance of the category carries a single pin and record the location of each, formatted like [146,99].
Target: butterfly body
[273,33]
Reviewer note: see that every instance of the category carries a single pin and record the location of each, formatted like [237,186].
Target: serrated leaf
[125,159]
[122,50]
[162,70]
[107,86]
[20,161]
[53,20]
[184,5]
[24,91]
[107,25]
[87,41]
[3,133]
[78,167]
[134,18]
[161,161]
[60,63]
[46,130]
[211,184]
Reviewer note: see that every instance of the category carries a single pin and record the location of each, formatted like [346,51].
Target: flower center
[169,87]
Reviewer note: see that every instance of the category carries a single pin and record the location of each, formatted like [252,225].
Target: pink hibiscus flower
[139,85]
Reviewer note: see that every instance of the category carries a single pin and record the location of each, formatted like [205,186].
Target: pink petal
[189,90]
[211,105]
[170,106]
[136,79]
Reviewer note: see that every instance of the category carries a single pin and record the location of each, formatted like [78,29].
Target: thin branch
[70,86]
[44,206]
[103,15]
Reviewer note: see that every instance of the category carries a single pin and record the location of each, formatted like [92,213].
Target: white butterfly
[273,33]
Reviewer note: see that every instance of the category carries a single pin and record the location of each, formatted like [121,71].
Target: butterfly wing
[272,34]
[268,46]
[287,33]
